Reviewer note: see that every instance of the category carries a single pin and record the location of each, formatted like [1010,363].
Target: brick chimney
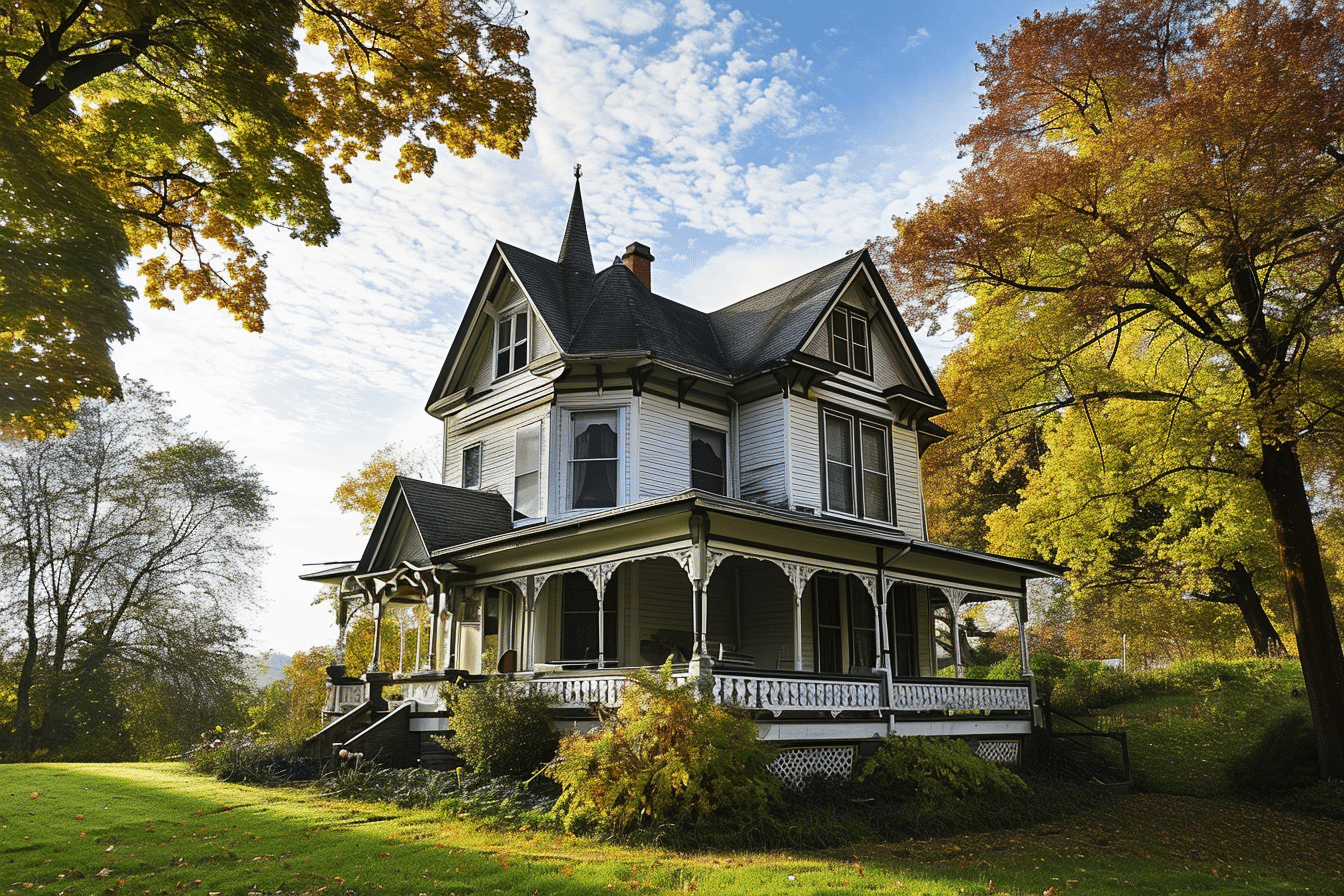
[639,260]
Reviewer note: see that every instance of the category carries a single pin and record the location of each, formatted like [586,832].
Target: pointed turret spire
[576,256]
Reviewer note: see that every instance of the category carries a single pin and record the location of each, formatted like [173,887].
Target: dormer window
[511,343]
[849,339]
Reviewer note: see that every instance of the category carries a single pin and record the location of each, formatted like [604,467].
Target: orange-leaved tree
[1167,172]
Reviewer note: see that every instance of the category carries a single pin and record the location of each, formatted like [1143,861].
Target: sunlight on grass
[86,829]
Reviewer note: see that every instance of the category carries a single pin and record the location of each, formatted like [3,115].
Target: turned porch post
[376,660]
[955,597]
[699,526]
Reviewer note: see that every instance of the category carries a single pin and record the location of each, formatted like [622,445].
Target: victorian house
[628,480]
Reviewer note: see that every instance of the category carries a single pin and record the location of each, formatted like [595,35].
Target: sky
[746,143]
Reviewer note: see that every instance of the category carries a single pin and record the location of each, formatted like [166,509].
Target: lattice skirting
[795,766]
[1000,752]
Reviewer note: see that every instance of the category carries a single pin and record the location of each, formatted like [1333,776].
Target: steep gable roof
[444,516]
[764,328]
[612,312]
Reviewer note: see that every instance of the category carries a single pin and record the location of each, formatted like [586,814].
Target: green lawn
[151,828]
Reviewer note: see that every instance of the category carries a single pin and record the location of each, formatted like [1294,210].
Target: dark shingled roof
[760,331]
[613,312]
[447,515]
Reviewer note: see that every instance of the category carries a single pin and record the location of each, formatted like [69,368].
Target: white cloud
[915,39]
[699,132]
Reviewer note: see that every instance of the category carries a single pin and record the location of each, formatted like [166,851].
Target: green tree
[127,550]
[1171,169]
[164,130]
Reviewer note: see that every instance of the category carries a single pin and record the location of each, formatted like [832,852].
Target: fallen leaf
[104,873]
[79,818]
[33,795]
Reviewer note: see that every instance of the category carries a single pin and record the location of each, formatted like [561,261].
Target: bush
[667,756]
[409,788]
[933,770]
[243,757]
[500,728]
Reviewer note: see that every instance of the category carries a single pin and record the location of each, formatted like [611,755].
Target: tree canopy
[1164,180]
[162,131]
[127,553]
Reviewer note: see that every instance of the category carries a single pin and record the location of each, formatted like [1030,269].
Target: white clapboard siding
[760,451]
[909,492]
[497,450]
[665,443]
[805,446]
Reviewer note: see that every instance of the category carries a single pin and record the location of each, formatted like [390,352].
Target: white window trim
[856,423]
[511,314]
[691,427]
[565,443]
[540,472]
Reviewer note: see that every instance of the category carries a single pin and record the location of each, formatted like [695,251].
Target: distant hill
[270,667]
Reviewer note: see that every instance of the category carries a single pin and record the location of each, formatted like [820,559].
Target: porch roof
[682,504]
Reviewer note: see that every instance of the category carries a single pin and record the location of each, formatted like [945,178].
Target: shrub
[667,756]
[243,757]
[933,770]
[409,788]
[501,728]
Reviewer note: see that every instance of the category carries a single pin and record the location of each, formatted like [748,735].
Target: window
[849,339]
[826,621]
[862,631]
[593,461]
[511,343]
[902,625]
[471,466]
[856,461]
[708,452]
[578,619]
[527,472]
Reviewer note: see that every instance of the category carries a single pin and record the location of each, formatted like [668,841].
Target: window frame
[844,324]
[508,355]
[568,468]
[857,463]
[696,428]
[518,474]
[479,448]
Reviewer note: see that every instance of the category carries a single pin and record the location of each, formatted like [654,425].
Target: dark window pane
[594,464]
[839,465]
[840,337]
[707,460]
[471,467]
[859,338]
[826,594]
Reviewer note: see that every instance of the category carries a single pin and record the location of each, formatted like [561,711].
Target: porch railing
[959,696]
[777,694]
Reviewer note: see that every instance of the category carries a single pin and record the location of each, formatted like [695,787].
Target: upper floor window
[527,472]
[594,459]
[856,457]
[471,466]
[849,339]
[708,456]
[511,342]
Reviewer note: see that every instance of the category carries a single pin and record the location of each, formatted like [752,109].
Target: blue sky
[746,143]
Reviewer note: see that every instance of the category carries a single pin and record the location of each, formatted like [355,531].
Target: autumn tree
[127,552]
[362,492]
[162,131]
[1169,169]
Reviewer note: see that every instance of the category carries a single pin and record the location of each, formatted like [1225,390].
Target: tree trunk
[1318,645]
[23,709]
[1238,587]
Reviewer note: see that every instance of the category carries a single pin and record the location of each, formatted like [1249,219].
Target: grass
[152,828]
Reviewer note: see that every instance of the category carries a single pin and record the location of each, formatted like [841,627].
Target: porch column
[797,631]
[375,661]
[884,649]
[434,601]
[1020,608]
[528,648]
[955,597]
[699,531]
[450,654]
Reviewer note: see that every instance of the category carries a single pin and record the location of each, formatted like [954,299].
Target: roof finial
[578,171]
